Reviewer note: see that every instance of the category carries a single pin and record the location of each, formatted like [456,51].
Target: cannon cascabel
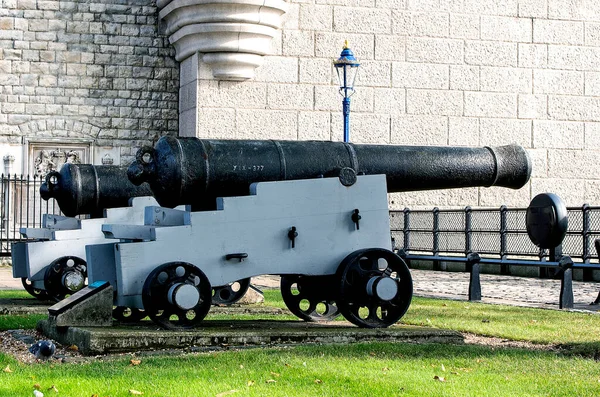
[195,171]
[90,189]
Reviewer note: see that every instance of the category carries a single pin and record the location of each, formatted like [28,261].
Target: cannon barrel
[195,171]
[89,189]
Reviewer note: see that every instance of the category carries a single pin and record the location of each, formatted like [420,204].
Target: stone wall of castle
[94,74]
[434,72]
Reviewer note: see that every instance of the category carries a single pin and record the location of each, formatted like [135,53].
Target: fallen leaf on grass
[37,386]
[241,366]
[226,393]
[133,362]
[250,383]
[439,378]
[73,347]
[318,381]
[384,369]
[270,381]
[53,388]
[135,392]
[7,369]
[287,365]
[38,393]
[275,374]
[443,368]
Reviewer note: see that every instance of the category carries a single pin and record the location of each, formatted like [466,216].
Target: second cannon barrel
[90,189]
[195,171]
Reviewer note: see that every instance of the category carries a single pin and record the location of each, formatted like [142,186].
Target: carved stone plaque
[47,157]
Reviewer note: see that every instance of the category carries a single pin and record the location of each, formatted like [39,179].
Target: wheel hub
[185,296]
[73,281]
[383,288]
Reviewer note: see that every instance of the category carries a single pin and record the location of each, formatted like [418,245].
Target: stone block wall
[434,72]
[93,71]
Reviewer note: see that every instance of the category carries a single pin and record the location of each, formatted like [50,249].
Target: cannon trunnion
[196,171]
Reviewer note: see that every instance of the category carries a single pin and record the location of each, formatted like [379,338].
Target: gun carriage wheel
[177,295]
[230,293]
[375,288]
[65,276]
[128,314]
[35,292]
[310,298]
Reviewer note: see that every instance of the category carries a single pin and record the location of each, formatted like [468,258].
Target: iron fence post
[504,269]
[587,274]
[406,229]
[468,230]
[436,238]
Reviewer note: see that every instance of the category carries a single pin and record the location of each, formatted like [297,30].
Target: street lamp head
[346,67]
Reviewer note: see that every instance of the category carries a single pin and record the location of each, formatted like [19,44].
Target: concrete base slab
[219,333]
[24,306]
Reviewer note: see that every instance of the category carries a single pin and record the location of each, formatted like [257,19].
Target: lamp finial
[346,45]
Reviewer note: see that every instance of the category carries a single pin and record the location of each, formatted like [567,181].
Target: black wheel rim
[310,298]
[56,272]
[127,314]
[156,290]
[362,309]
[35,292]
[230,293]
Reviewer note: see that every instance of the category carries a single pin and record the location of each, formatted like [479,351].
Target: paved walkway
[507,290]
[519,291]
[6,279]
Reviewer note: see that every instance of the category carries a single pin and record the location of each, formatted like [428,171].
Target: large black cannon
[196,171]
[90,189]
[315,213]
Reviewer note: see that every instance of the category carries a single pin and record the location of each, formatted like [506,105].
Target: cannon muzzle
[89,189]
[195,171]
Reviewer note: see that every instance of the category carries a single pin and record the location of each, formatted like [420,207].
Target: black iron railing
[497,233]
[497,237]
[21,206]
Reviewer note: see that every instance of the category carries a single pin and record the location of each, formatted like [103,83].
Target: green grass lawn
[369,369]
[362,369]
